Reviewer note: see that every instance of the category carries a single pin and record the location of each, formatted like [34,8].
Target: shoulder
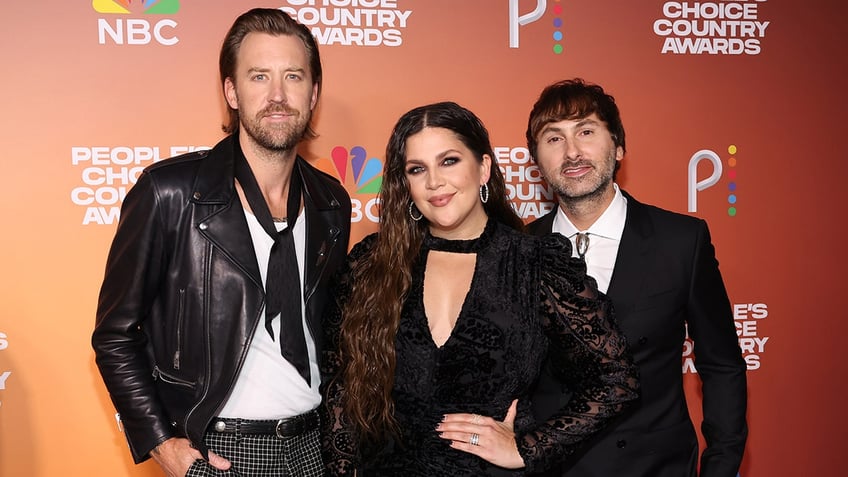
[363,247]
[206,171]
[184,165]
[542,250]
[314,176]
[666,221]
[543,224]
[325,189]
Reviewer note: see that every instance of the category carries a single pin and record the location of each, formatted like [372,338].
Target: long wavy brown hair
[382,280]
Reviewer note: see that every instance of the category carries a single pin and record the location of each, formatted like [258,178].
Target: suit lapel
[629,275]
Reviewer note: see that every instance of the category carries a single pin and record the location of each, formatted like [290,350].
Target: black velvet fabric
[528,297]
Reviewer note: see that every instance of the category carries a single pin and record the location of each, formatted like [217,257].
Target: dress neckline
[474,245]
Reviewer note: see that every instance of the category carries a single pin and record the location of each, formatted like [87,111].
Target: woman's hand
[484,437]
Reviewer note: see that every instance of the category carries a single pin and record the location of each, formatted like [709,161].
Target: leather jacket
[182,293]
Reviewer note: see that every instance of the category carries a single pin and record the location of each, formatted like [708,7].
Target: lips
[278,113]
[575,170]
[440,200]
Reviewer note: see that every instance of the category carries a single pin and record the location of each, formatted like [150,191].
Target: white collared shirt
[604,238]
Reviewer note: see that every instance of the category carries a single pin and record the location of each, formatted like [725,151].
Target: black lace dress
[528,297]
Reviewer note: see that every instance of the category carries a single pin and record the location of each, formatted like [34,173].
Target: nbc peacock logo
[354,168]
[148,7]
[361,175]
[128,22]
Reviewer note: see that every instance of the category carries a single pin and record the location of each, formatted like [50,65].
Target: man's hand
[176,455]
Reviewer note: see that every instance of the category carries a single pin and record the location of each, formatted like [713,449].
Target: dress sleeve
[338,439]
[587,352]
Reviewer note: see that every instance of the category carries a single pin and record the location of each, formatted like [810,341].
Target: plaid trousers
[263,456]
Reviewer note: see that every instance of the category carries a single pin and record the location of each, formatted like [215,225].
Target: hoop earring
[412,210]
[484,193]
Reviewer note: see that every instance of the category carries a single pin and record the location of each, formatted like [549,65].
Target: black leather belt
[282,428]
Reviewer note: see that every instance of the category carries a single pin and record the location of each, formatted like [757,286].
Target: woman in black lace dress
[442,319]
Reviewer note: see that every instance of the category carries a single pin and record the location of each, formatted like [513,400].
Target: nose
[277,93]
[572,152]
[434,179]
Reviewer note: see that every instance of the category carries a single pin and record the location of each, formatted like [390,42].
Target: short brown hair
[573,99]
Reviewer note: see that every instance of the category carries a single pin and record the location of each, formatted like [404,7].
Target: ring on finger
[475,439]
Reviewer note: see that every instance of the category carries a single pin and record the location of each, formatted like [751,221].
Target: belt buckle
[279,428]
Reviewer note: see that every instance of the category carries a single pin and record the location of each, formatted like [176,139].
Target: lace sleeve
[588,353]
[338,444]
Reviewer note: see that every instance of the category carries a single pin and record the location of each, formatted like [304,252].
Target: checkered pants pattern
[263,455]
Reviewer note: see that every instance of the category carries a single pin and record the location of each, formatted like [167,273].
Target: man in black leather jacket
[180,336]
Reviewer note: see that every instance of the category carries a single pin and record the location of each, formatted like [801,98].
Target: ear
[230,93]
[619,153]
[485,169]
[314,96]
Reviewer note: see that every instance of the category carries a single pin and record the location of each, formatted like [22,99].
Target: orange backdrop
[733,112]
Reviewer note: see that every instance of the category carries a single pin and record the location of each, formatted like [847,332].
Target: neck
[272,170]
[583,212]
[470,228]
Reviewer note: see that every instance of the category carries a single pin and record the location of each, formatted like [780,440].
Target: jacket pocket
[171,379]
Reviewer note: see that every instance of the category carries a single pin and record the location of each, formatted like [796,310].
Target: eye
[449,161]
[586,132]
[293,76]
[553,139]
[413,170]
[259,77]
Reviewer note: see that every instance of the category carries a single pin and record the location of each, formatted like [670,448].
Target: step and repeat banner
[734,111]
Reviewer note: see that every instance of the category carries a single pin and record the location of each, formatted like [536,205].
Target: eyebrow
[264,69]
[579,124]
[440,155]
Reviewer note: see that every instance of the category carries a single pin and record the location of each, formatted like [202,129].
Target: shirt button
[621,444]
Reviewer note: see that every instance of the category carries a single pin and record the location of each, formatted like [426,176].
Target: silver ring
[475,439]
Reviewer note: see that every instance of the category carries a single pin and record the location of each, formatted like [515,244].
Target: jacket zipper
[180,312]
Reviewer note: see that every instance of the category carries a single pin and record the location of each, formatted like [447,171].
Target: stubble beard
[283,137]
[576,191]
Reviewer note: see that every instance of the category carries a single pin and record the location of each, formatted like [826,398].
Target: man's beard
[282,137]
[601,183]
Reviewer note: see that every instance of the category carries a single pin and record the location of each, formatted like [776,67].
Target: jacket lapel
[321,235]
[633,252]
[215,188]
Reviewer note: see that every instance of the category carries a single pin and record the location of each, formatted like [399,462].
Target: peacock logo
[147,7]
[365,173]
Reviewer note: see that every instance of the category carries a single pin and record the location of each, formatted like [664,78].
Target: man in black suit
[660,270]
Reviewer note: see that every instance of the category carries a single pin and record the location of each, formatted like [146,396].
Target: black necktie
[282,283]
[582,244]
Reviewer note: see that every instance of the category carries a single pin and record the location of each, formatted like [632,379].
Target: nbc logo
[134,31]
[367,172]
[361,174]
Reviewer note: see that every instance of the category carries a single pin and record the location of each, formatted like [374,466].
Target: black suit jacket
[666,277]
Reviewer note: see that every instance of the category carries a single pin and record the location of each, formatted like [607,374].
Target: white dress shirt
[604,238]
